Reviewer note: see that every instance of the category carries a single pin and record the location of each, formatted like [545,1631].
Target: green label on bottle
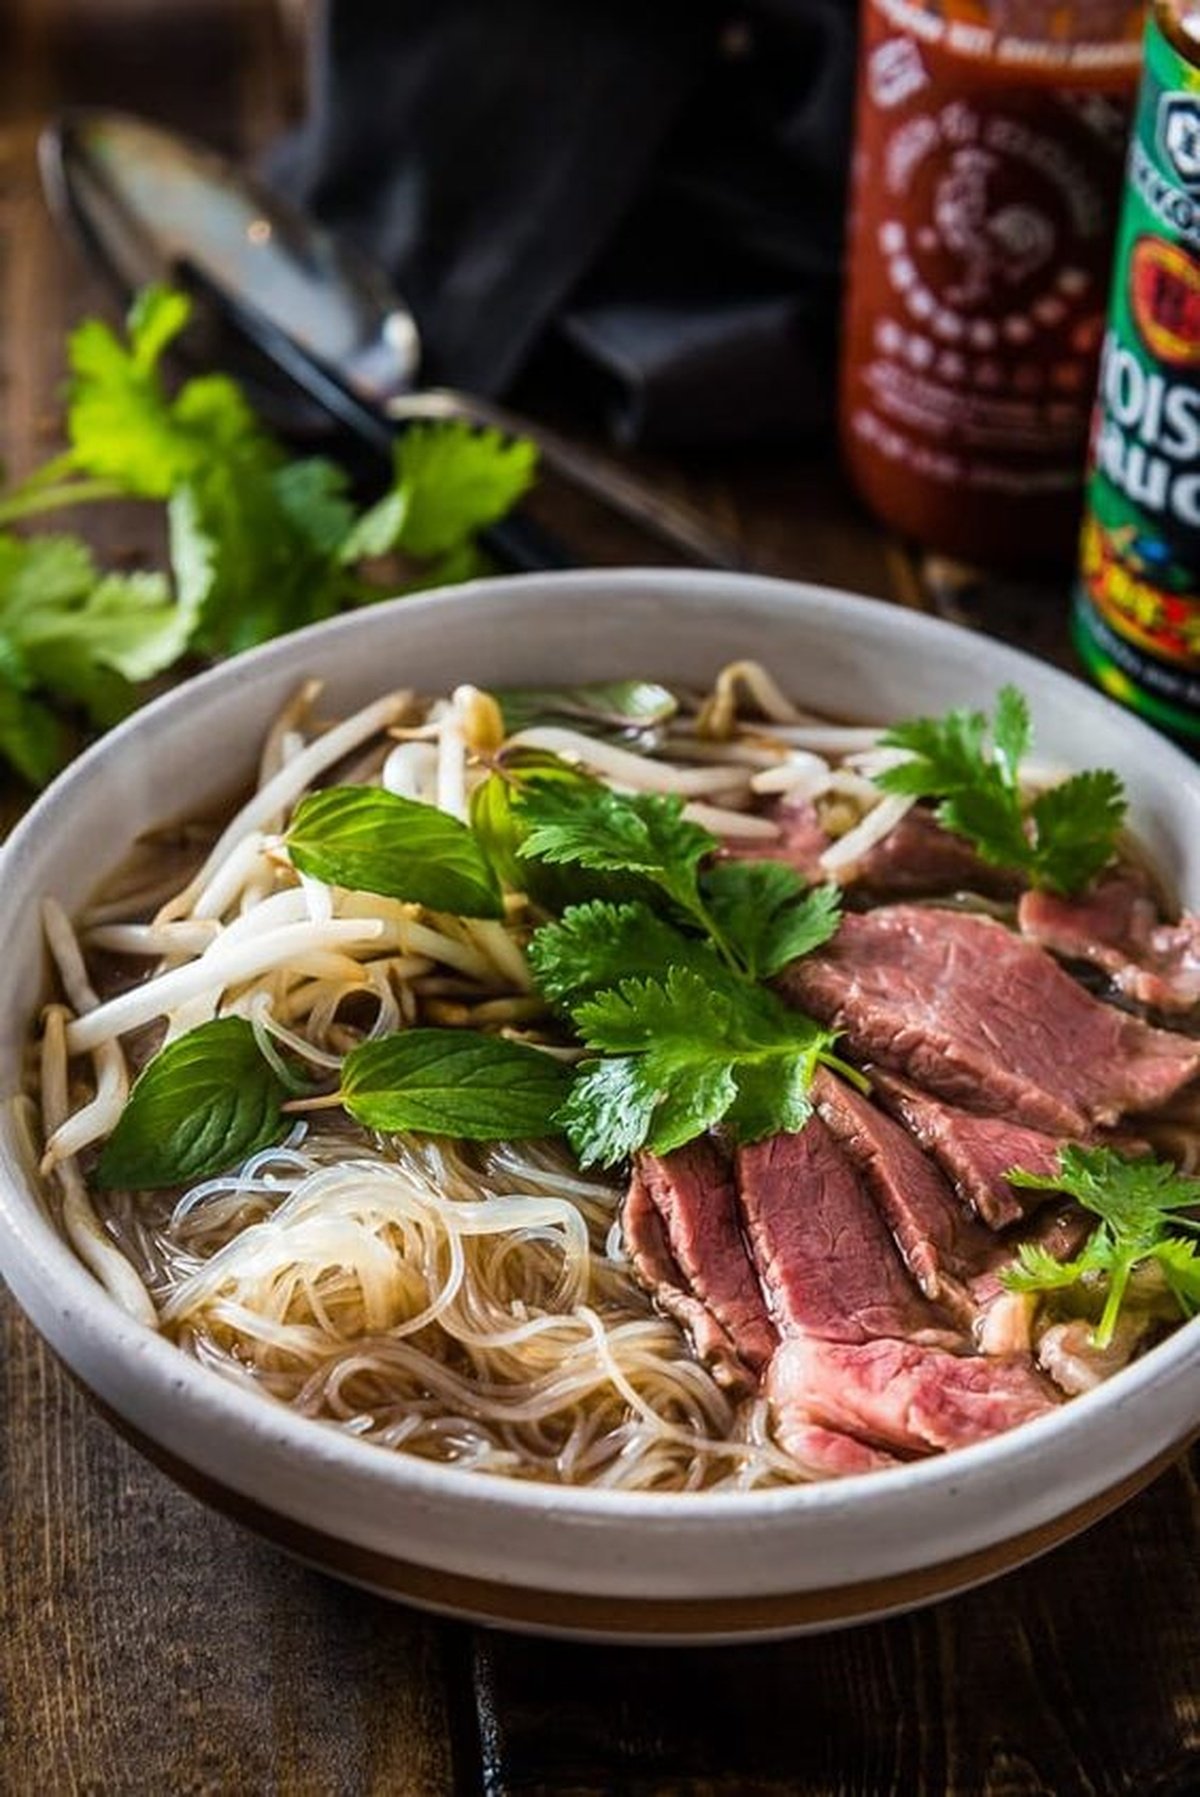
[1137,612]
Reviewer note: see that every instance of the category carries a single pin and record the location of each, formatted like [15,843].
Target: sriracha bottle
[987,173]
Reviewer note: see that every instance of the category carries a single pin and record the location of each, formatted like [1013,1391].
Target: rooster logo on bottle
[996,245]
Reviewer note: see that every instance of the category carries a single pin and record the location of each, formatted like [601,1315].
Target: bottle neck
[1179,22]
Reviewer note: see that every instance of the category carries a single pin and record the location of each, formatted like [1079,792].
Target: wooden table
[148,1646]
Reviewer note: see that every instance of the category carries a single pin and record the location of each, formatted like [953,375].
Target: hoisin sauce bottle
[1137,603]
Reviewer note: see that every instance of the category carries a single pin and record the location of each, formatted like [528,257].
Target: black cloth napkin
[648,195]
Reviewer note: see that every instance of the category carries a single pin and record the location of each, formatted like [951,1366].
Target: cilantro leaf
[1060,841]
[31,737]
[599,944]
[644,834]
[122,424]
[450,482]
[1140,1204]
[498,820]
[764,911]
[83,638]
[448,1082]
[1076,825]
[607,1113]
[1179,1263]
[704,1053]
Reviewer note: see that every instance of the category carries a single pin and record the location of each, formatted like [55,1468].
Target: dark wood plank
[1077,1674]
[150,1646]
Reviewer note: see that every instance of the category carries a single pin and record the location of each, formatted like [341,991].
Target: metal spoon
[150,205]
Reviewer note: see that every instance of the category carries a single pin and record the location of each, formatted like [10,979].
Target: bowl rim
[216,1400]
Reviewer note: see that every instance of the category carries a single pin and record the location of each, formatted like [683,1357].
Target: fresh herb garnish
[697,1040]
[643,834]
[447,1082]
[765,911]
[369,840]
[69,633]
[258,544]
[205,1103]
[599,944]
[1059,841]
[1140,1204]
[449,483]
[688,1055]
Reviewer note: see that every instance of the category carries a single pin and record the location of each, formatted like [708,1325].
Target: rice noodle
[469,1314]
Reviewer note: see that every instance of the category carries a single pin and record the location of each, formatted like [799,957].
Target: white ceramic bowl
[580,1562]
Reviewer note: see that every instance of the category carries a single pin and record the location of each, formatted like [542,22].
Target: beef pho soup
[633,1088]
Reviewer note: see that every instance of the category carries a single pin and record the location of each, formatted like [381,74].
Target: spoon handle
[673,522]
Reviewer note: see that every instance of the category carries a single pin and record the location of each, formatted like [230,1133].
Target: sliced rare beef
[655,1269]
[902,1396]
[801,840]
[974,1152]
[944,1246]
[693,1192]
[1116,927]
[977,1015]
[916,858]
[826,1453]
[920,858]
[824,1257]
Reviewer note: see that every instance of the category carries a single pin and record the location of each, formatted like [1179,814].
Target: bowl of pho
[637,1104]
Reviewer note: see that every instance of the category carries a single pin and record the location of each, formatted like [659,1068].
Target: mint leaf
[205,1103]
[369,840]
[599,944]
[605,708]
[766,914]
[454,1083]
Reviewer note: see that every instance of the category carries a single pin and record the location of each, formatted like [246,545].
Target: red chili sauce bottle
[987,175]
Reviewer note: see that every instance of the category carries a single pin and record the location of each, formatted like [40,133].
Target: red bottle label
[984,215]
